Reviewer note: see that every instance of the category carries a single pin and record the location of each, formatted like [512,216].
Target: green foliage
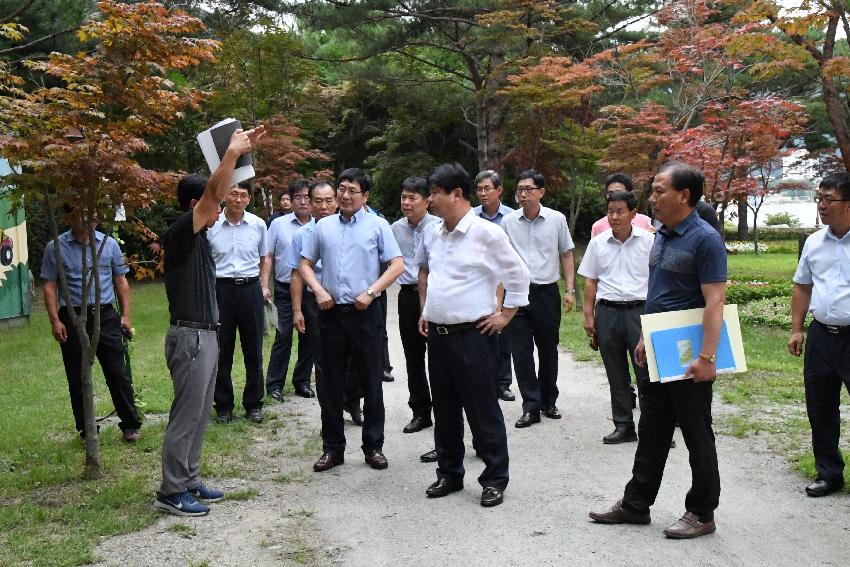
[783,218]
[769,312]
[741,293]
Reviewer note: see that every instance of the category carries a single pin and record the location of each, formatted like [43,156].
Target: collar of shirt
[223,218]
[540,215]
[683,226]
[501,211]
[355,217]
[463,224]
[831,235]
[632,235]
[68,236]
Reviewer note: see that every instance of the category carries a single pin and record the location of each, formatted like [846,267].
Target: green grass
[769,398]
[48,515]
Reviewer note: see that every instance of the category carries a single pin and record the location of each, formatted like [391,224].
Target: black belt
[195,325]
[539,285]
[89,307]
[239,281]
[452,329]
[622,304]
[409,287]
[282,284]
[344,307]
[834,329]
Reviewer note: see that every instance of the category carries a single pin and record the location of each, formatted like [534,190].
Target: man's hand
[494,323]
[589,325]
[701,370]
[299,322]
[569,301]
[60,333]
[243,141]
[363,301]
[795,343]
[267,293]
[640,353]
[126,325]
[423,327]
[324,299]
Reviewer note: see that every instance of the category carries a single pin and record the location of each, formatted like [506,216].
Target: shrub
[782,218]
[770,312]
[746,292]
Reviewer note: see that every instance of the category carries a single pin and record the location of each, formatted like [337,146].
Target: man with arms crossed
[616,271]
[408,232]
[687,270]
[822,288]
[541,237]
[351,245]
[462,260]
[191,344]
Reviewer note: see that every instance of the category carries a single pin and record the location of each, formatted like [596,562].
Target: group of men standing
[475,284]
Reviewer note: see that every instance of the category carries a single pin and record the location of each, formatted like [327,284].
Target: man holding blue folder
[687,270]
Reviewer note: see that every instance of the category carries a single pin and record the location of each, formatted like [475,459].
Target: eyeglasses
[349,191]
[828,200]
[481,190]
[521,190]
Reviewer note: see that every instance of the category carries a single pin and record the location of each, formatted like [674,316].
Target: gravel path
[560,470]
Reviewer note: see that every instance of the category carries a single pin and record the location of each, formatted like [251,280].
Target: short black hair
[296,186]
[416,184]
[684,176]
[625,196]
[449,177]
[489,174]
[534,175]
[246,185]
[283,194]
[190,187]
[355,174]
[317,184]
[620,178]
[838,181]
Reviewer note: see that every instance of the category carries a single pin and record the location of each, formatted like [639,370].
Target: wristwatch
[570,292]
[371,293]
[712,358]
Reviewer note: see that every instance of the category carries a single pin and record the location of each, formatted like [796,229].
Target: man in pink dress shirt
[620,182]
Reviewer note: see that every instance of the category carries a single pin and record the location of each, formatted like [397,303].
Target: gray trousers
[618,332]
[192,357]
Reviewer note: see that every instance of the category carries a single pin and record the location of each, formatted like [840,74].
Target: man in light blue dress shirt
[278,244]
[822,288]
[238,244]
[351,246]
[488,189]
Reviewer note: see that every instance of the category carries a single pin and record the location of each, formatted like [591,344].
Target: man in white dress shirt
[822,288]
[238,246]
[616,271]
[541,237]
[408,232]
[462,260]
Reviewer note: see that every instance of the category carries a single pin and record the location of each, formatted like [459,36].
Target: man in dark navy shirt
[191,344]
[687,270]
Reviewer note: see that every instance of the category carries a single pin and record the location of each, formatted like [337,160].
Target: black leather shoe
[327,461]
[822,487]
[356,414]
[418,423]
[255,415]
[305,392]
[224,417]
[634,400]
[376,459]
[505,394]
[491,496]
[527,419]
[429,457]
[443,487]
[276,395]
[551,412]
[388,376]
[623,433]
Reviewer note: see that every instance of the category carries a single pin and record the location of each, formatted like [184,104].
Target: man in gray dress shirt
[238,245]
[541,237]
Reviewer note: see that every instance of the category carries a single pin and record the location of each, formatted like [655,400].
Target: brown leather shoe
[443,487]
[327,461]
[376,459]
[623,433]
[619,515]
[688,527]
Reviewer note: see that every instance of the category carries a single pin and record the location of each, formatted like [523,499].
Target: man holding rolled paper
[687,270]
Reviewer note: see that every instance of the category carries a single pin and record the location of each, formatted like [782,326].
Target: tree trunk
[755,232]
[92,466]
[489,116]
[837,117]
[743,225]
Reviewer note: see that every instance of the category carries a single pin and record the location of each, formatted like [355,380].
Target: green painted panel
[15,298]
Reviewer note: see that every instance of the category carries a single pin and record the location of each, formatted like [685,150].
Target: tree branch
[37,41]
[23,8]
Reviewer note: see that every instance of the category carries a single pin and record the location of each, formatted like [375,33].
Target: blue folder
[675,350]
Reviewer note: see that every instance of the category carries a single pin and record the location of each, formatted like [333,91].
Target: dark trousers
[312,337]
[413,344]
[618,332]
[282,346]
[110,354]
[537,323]
[382,300]
[663,406]
[240,307]
[826,366]
[503,353]
[462,367]
[349,333]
